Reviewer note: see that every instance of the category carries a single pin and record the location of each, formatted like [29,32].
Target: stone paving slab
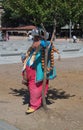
[10,51]
[5,126]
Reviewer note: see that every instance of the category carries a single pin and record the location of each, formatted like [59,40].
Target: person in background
[74,39]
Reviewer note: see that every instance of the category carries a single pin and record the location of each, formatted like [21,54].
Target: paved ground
[65,98]
[65,95]
[11,50]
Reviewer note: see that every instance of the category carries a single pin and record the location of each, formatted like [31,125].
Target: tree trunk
[55,28]
[45,78]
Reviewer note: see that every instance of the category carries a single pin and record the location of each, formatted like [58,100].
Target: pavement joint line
[11,54]
[71,50]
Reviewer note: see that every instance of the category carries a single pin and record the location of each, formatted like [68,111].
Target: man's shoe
[30,110]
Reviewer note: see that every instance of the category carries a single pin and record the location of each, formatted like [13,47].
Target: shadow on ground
[53,94]
[21,92]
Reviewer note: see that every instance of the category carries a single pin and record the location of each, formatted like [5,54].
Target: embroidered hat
[35,32]
[39,32]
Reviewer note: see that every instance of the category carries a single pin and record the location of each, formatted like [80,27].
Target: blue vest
[38,65]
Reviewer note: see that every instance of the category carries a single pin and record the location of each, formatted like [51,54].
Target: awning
[23,28]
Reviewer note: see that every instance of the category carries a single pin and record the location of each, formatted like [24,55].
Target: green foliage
[37,11]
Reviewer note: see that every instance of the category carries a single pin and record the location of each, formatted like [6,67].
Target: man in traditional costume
[34,69]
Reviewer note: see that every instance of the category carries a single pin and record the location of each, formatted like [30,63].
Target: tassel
[51,55]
